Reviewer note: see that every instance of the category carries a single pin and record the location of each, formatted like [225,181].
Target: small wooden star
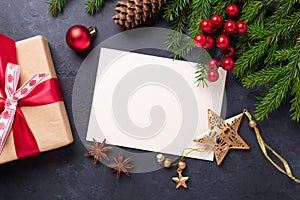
[224,133]
[180,180]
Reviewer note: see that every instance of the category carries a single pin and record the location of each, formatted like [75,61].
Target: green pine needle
[295,102]
[269,75]
[272,99]
[200,74]
[93,6]
[56,6]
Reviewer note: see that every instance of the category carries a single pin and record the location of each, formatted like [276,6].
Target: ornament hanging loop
[179,171]
[265,148]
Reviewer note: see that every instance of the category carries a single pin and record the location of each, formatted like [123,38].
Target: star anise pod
[98,151]
[121,166]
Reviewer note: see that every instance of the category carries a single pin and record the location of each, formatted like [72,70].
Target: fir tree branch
[218,7]
[185,46]
[269,75]
[249,60]
[175,37]
[254,12]
[174,8]
[200,9]
[93,6]
[56,6]
[286,82]
[284,9]
[283,34]
[284,54]
[295,102]
[272,99]
[200,74]
[201,68]
[256,33]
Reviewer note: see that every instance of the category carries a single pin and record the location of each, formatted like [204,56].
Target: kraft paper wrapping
[48,123]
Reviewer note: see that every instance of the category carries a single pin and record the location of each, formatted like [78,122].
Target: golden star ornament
[180,180]
[222,135]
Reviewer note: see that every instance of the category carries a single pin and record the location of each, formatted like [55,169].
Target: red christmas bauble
[229,26]
[222,42]
[232,10]
[213,75]
[78,37]
[213,63]
[241,27]
[199,40]
[209,42]
[216,20]
[206,25]
[227,64]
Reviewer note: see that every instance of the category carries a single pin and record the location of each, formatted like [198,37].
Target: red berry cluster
[225,28]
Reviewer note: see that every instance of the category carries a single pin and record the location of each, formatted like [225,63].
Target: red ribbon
[46,92]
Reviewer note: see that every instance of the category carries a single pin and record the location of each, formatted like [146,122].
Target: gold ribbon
[264,147]
[190,150]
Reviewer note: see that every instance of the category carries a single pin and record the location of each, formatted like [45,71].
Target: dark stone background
[66,174]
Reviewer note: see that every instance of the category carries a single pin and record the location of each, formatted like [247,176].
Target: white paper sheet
[151,103]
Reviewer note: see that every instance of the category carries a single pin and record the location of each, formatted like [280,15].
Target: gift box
[41,122]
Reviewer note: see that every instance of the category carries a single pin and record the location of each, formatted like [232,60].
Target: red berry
[232,10]
[199,40]
[230,26]
[213,63]
[209,42]
[241,27]
[222,42]
[212,75]
[229,51]
[227,64]
[216,20]
[206,25]
[224,32]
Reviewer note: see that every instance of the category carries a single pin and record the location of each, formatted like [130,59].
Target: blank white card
[151,103]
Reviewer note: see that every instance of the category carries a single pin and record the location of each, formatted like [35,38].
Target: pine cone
[133,13]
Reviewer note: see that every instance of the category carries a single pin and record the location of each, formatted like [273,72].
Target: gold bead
[167,162]
[160,158]
[252,123]
[181,165]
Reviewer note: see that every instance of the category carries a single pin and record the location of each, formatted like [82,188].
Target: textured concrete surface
[66,174]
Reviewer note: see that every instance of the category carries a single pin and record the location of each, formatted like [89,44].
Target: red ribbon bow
[13,96]
[46,92]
